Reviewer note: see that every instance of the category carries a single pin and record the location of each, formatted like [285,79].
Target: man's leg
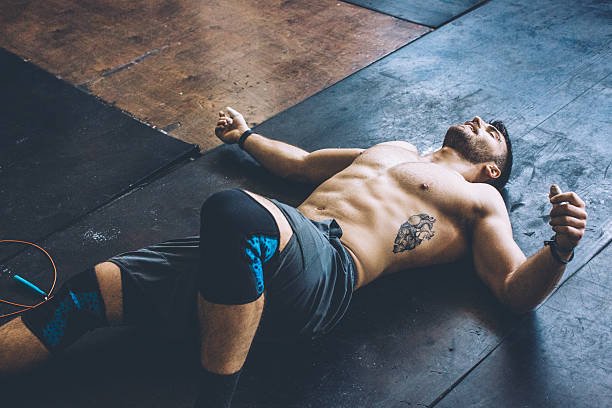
[227,332]
[20,349]
[237,237]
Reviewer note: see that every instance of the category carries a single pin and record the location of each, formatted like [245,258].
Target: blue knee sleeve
[74,309]
[238,236]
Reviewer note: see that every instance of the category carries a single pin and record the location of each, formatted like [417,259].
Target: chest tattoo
[413,232]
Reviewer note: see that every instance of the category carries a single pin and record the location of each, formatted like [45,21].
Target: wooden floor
[175,63]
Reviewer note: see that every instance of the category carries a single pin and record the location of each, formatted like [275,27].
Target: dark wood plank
[261,55]
[81,40]
[432,13]
[64,153]
[263,59]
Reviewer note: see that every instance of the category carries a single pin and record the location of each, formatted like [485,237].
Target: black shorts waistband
[328,227]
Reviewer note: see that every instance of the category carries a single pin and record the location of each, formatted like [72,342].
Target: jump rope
[46,296]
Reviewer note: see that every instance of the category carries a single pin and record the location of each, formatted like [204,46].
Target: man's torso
[398,211]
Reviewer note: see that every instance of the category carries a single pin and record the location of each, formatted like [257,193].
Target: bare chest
[419,180]
[397,211]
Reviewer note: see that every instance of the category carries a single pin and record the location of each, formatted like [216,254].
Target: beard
[465,142]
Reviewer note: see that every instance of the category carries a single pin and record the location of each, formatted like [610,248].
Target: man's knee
[76,308]
[237,237]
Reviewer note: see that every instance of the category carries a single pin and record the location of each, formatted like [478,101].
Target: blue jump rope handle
[29,285]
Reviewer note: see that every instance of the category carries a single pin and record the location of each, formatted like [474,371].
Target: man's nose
[477,120]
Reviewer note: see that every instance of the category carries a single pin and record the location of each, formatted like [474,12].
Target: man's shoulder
[399,143]
[488,201]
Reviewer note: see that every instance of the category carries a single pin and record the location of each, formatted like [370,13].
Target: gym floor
[172,63]
[106,122]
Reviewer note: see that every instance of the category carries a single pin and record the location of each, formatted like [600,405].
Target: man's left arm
[519,283]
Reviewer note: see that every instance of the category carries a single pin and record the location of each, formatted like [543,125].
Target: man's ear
[492,171]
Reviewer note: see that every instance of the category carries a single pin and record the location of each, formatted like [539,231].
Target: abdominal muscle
[372,206]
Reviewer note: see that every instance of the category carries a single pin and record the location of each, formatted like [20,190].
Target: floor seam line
[476,6]
[119,68]
[178,162]
[566,104]
[514,329]
[389,14]
[469,371]
[433,27]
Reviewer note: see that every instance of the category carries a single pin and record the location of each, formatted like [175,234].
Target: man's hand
[230,127]
[567,217]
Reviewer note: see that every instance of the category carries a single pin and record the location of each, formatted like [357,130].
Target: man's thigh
[154,287]
[109,280]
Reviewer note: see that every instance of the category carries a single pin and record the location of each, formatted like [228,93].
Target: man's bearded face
[467,142]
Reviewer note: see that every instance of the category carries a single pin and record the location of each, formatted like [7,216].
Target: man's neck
[452,160]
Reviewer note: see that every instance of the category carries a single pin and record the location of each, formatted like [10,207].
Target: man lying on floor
[375,211]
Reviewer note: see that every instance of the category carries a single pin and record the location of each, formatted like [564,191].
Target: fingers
[573,234]
[219,130]
[224,124]
[567,217]
[569,197]
[225,121]
[554,190]
[568,210]
[568,221]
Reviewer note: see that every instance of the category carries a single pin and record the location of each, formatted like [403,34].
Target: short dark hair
[503,161]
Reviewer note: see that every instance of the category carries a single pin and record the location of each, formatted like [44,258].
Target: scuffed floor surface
[173,64]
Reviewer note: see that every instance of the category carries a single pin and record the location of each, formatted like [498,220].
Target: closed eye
[493,132]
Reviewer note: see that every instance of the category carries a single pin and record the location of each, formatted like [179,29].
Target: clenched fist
[230,126]
[567,217]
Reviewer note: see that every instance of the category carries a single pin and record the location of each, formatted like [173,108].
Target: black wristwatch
[243,137]
[554,248]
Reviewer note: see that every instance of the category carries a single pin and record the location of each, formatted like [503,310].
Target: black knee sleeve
[74,309]
[237,237]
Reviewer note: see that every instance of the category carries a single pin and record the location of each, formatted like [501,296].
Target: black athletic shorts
[308,286]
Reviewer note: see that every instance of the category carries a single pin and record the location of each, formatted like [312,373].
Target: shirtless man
[375,212]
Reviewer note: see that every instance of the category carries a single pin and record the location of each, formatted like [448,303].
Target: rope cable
[49,297]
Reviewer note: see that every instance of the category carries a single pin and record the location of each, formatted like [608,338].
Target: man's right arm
[293,163]
[519,283]
[282,159]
